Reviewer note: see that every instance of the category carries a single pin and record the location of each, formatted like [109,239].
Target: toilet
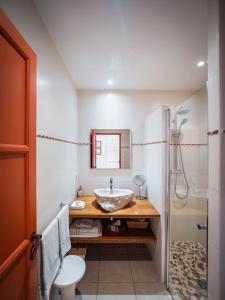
[71,272]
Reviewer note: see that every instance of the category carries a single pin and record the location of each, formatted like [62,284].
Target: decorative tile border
[189,144]
[216,132]
[52,138]
[148,143]
[156,142]
[84,144]
[137,144]
[164,141]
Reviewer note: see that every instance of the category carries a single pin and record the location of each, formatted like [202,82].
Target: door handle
[35,238]
[202,226]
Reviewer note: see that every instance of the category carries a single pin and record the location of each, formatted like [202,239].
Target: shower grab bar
[202,226]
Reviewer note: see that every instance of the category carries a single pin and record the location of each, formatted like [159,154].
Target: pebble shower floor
[188,267]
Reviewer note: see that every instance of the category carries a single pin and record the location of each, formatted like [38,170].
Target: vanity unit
[137,209]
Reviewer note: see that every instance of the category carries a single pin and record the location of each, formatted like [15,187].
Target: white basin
[116,200]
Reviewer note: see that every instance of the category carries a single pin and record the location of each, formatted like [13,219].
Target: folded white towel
[83,228]
[86,223]
[49,262]
[64,233]
[79,232]
[87,235]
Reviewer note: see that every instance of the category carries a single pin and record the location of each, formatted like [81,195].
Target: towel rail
[35,238]
[63,204]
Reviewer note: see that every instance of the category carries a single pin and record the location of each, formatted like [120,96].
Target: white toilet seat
[73,269]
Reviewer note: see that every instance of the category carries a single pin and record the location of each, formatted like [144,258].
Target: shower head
[184,121]
[180,112]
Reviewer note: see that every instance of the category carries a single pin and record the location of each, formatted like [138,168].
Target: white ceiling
[139,44]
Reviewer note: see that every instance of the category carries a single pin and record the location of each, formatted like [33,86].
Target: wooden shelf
[129,236]
[136,209]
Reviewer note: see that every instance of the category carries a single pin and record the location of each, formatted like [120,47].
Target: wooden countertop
[136,209]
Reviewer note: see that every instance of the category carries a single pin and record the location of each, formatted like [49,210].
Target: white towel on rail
[49,258]
[64,233]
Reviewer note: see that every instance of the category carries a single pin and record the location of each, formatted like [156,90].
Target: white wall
[56,114]
[117,110]
[154,155]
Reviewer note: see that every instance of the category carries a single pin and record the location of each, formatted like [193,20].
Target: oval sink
[116,200]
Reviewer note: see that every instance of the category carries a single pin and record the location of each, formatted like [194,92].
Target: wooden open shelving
[137,209]
[129,236]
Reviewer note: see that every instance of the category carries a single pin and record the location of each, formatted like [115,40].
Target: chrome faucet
[111,185]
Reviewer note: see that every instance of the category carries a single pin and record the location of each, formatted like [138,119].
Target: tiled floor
[120,272]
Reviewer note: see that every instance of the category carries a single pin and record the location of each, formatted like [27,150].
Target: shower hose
[181,197]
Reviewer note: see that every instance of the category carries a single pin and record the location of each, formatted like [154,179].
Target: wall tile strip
[153,143]
[52,138]
[148,143]
[189,144]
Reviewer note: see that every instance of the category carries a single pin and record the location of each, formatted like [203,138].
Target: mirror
[110,149]
[139,180]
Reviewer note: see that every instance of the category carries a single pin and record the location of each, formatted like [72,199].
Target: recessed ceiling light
[201,63]
[110,82]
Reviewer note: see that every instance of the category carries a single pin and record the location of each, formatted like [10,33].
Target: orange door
[17,164]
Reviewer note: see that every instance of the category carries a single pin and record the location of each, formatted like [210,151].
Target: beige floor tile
[153,297]
[150,288]
[151,291]
[120,291]
[114,257]
[86,291]
[92,271]
[143,271]
[117,297]
[115,271]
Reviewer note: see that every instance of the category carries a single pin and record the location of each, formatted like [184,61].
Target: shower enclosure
[187,203]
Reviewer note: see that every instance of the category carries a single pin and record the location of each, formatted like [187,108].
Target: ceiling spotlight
[201,63]
[110,82]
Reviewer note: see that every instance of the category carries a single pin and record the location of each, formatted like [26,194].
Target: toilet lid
[72,271]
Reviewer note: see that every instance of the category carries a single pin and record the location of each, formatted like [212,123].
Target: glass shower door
[187,246]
